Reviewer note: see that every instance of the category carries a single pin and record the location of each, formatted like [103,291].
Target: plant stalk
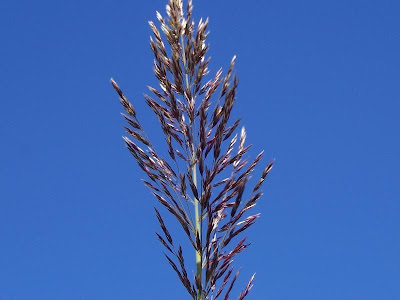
[198,218]
[198,221]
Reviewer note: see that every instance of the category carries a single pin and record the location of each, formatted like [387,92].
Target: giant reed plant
[203,180]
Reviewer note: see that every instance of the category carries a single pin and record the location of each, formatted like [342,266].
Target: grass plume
[202,181]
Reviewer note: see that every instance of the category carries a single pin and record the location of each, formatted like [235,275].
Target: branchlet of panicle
[195,136]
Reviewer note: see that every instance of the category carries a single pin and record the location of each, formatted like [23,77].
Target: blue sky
[319,91]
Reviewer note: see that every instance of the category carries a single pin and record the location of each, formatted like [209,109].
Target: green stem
[198,218]
[198,221]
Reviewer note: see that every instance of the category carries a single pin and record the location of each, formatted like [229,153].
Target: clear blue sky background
[319,91]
